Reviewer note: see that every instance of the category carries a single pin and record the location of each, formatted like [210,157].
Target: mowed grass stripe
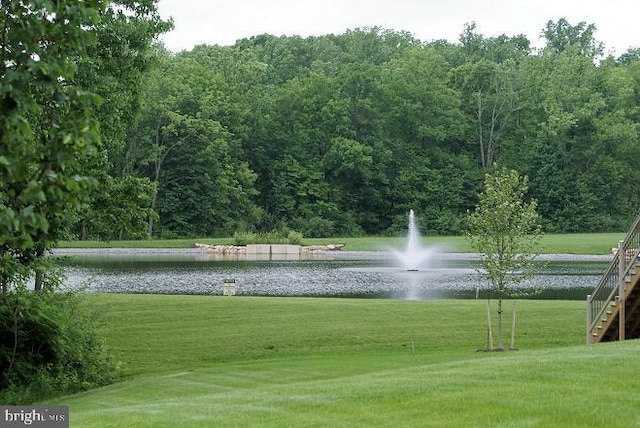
[194,361]
[160,332]
[528,388]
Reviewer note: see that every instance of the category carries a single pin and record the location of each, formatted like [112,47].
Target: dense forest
[344,134]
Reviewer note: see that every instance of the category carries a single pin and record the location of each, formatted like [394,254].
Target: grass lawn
[213,361]
[578,243]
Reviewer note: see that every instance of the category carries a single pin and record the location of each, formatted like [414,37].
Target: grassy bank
[196,361]
[580,243]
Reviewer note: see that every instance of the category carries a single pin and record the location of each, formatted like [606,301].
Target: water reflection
[372,277]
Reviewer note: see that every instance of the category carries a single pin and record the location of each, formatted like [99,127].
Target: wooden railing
[610,289]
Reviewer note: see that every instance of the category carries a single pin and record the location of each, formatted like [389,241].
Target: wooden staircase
[613,309]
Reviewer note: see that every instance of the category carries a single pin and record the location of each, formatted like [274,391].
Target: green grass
[145,243]
[579,243]
[205,361]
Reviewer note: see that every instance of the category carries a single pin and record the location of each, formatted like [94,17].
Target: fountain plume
[415,255]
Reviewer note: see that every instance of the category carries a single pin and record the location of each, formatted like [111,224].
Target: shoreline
[340,254]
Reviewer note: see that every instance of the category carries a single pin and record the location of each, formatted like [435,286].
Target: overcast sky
[223,22]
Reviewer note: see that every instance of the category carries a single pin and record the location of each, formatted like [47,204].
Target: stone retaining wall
[276,250]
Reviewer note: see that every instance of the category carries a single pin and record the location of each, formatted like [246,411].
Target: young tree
[504,229]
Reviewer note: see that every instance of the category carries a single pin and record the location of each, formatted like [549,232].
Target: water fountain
[415,256]
[415,272]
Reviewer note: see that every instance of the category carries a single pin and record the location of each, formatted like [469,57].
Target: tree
[48,136]
[489,81]
[351,131]
[47,128]
[580,141]
[349,167]
[561,35]
[504,229]
[185,145]
[126,218]
[112,69]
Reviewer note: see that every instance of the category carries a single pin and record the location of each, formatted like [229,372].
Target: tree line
[344,134]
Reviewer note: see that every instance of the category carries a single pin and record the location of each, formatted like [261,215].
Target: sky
[223,22]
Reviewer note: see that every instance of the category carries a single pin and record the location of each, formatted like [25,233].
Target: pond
[365,275]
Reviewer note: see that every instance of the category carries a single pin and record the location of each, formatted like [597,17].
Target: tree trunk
[500,346]
[513,326]
[160,157]
[153,207]
[489,328]
[39,279]
[156,177]
[479,131]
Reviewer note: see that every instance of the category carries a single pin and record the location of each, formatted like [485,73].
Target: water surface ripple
[339,277]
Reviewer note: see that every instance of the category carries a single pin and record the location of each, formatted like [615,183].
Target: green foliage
[417,128]
[273,237]
[69,76]
[48,131]
[562,35]
[48,347]
[294,238]
[318,227]
[112,68]
[504,228]
[184,145]
[125,219]
[343,134]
